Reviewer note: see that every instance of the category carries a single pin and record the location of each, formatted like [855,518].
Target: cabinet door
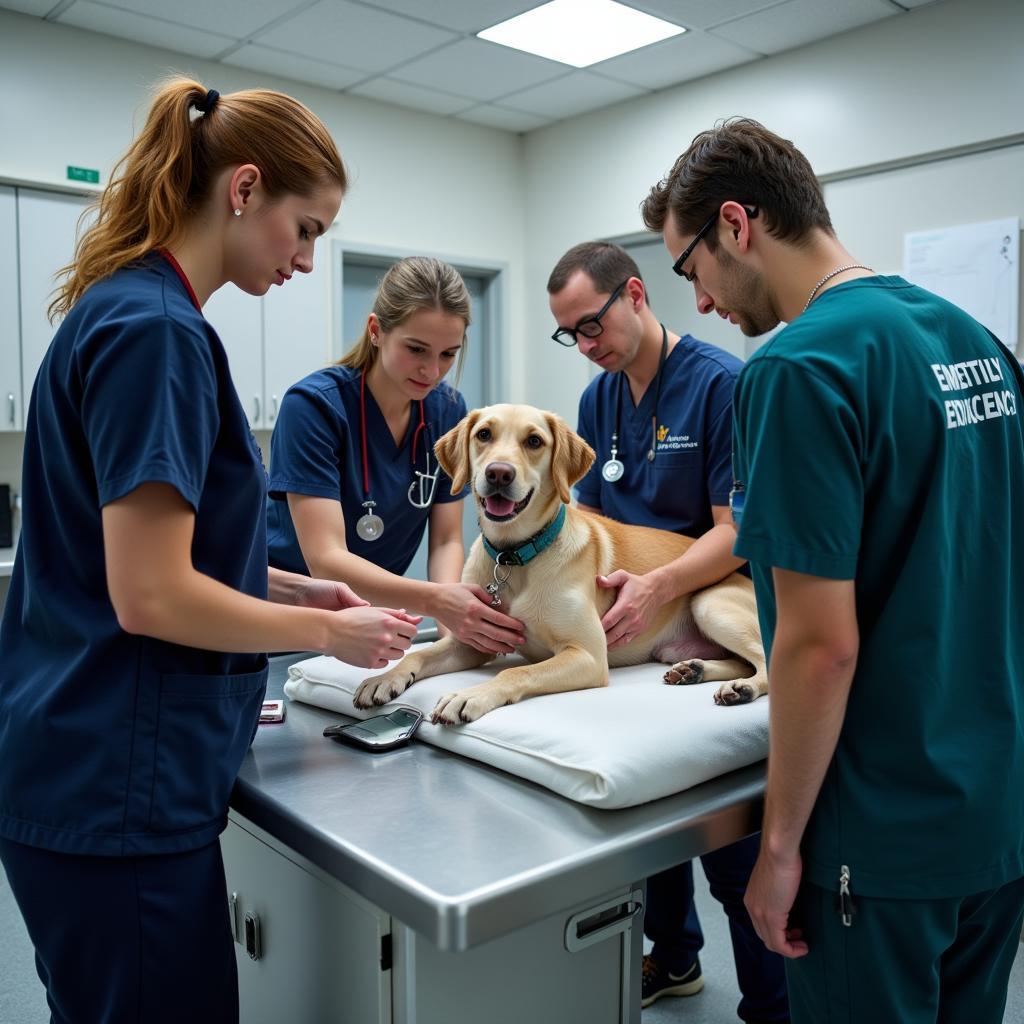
[10,328]
[238,319]
[320,946]
[295,331]
[47,224]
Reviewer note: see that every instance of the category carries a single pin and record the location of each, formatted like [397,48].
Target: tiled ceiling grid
[425,55]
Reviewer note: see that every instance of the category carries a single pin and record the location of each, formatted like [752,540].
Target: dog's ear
[452,451]
[571,456]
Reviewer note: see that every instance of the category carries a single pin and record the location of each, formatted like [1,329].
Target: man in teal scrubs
[879,495]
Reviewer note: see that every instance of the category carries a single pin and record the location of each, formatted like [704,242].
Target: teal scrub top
[878,438]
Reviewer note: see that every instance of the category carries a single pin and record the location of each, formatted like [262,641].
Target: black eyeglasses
[677,267]
[589,328]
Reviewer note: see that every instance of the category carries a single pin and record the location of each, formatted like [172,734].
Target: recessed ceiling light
[580,32]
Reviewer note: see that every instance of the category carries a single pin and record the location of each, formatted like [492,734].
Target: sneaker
[657,980]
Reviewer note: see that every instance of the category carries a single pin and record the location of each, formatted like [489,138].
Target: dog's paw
[463,706]
[685,673]
[734,692]
[380,689]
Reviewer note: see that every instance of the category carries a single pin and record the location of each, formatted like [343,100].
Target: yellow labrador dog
[540,559]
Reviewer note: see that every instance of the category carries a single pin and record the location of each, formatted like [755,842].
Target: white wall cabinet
[47,222]
[271,342]
[10,321]
[274,341]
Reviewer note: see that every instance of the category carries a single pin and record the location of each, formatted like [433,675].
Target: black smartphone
[383,732]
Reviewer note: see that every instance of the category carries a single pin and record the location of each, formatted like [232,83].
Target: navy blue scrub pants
[128,940]
[671,923]
[944,961]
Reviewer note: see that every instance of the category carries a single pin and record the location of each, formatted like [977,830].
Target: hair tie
[208,102]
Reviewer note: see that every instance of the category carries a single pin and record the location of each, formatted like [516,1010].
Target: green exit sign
[84,174]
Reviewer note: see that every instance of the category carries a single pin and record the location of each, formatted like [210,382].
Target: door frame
[493,324]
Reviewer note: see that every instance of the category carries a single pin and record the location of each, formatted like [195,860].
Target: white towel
[636,740]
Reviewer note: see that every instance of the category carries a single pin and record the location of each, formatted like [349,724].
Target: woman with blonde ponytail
[354,484]
[139,610]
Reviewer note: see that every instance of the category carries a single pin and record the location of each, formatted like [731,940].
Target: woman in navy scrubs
[132,670]
[353,479]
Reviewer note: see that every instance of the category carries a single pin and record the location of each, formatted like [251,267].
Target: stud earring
[238,212]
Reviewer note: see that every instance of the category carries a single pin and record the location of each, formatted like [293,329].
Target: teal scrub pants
[944,961]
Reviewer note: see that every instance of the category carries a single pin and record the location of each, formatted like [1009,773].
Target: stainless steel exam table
[419,886]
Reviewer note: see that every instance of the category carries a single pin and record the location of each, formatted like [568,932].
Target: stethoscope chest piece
[369,526]
[613,469]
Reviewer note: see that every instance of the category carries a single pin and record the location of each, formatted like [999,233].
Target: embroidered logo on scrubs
[675,442]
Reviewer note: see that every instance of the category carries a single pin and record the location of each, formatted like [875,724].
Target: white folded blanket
[633,741]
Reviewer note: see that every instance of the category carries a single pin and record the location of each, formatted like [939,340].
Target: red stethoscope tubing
[362,424]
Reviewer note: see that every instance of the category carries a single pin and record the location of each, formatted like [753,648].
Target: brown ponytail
[166,175]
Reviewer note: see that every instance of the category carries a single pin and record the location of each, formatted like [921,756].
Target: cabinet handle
[273,408]
[10,405]
[256,400]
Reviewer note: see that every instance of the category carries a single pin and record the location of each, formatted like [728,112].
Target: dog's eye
[533,441]
[483,435]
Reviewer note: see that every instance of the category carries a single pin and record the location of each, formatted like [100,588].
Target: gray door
[361,275]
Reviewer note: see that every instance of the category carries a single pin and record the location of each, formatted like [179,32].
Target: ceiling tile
[572,94]
[291,65]
[479,70]
[141,29]
[355,36]
[797,22]
[414,96]
[501,117]
[700,13]
[235,18]
[39,8]
[461,15]
[671,61]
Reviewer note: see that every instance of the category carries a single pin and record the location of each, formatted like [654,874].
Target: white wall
[942,76]
[419,182]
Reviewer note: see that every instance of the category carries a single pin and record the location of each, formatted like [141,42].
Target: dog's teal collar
[530,549]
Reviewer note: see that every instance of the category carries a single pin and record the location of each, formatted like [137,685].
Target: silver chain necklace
[828,277]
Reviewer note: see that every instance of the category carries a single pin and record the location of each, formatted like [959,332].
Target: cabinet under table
[419,886]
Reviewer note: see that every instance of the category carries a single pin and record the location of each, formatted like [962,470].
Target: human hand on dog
[634,606]
[466,611]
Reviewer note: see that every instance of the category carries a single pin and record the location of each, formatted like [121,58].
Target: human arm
[320,526]
[810,674]
[156,591]
[708,560]
[294,588]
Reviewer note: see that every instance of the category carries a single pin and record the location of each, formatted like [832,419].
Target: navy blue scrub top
[111,743]
[693,467]
[316,449]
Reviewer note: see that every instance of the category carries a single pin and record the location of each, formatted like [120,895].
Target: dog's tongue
[499,506]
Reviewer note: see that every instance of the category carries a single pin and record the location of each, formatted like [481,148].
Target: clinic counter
[459,851]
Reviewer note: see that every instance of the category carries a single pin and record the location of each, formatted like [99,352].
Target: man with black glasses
[660,420]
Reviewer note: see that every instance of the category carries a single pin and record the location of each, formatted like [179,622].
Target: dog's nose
[500,474]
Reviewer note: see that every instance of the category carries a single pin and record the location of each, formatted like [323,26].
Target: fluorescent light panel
[580,32]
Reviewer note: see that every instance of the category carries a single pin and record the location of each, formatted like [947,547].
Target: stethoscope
[613,469]
[370,526]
